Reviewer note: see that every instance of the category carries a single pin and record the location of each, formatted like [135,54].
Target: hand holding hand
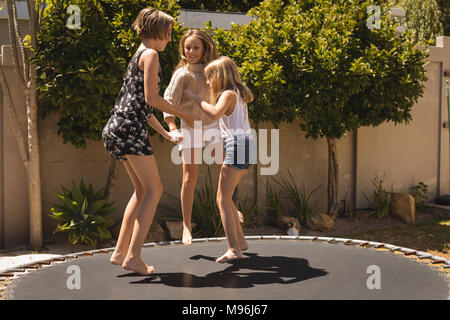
[175,136]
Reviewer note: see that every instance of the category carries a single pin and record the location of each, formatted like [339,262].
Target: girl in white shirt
[229,97]
[196,50]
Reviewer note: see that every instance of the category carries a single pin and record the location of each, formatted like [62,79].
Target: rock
[156,233]
[290,225]
[403,207]
[174,229]
[320,222]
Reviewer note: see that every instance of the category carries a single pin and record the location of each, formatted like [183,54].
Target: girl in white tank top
[237,123]
[229,96]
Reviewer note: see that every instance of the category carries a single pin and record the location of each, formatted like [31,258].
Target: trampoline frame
[438,263]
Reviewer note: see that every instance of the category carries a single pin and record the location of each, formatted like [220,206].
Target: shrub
[298,199]
[83,214]
[381,198]
[420,195]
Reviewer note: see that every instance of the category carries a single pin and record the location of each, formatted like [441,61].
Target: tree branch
[42,5]
[12,23]
[33,22]
[13,117]
[20,41]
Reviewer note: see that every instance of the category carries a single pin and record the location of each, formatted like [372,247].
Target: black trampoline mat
[270,270]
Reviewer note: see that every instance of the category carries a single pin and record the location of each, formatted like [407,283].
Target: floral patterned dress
[127,129]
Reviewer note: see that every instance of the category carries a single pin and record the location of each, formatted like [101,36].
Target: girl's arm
[171,123]
[152,98]
[225,105]
[172,136]
[173,95]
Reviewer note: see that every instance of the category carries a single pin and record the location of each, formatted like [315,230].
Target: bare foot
[139,266]
[117,259]
[229,256]
[187,236]
[241,217]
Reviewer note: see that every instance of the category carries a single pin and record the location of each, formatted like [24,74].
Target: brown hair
[223,74]
[153,24]
[209,47]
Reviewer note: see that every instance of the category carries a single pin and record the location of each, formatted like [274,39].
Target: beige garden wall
[406,154]
[419,151]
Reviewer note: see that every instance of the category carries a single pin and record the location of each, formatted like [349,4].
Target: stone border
[437,263]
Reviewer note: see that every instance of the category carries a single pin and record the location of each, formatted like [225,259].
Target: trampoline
[273,268]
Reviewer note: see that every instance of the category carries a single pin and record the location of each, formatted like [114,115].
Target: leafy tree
[444,18]
[318,61]
[422,18]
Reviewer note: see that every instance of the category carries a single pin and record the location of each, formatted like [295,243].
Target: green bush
[419,193]
[424,18]
[83,214]
[381,199]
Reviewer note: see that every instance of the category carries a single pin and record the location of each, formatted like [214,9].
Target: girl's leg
[242,242]
[190,173]
[147,172]
[129,218]
[240,215]
[228,180]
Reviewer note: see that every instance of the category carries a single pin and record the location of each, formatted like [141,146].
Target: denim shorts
[240,152]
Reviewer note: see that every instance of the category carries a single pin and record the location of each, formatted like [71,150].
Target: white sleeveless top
[237,123]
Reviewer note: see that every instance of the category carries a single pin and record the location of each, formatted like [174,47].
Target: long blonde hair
[223,74]
[209,47]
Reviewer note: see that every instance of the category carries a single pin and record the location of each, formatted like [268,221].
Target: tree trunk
[333,178]
[29,146]
[33,168]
